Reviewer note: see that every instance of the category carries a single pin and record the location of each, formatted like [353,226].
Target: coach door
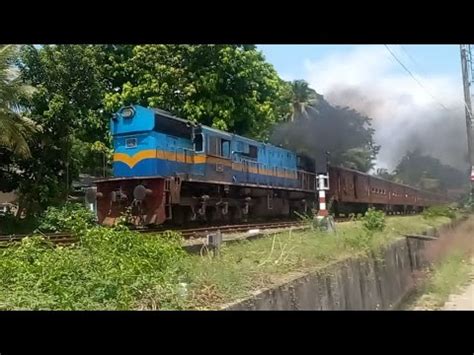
[354,181]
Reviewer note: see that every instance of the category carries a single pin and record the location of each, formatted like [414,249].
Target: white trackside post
[323,186]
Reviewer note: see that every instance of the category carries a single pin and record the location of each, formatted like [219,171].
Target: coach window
[198,143]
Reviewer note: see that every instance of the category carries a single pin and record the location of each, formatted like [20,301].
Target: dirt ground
[464,300]
[461,238]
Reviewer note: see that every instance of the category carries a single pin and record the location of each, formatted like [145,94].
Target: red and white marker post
[323,186]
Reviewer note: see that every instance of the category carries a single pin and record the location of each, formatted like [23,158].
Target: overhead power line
[414,78]
[418,66]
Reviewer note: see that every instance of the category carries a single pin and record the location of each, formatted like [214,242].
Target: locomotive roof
[215,130]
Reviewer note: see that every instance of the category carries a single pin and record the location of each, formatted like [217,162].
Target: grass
[446,278]
[120,269]
[450,267]
[247,266]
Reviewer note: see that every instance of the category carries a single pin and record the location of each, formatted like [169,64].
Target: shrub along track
[68,238]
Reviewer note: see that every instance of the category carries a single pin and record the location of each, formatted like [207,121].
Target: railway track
[68,239]
[55,238]
[189,233]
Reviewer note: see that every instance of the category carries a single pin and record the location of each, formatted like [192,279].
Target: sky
[426,112]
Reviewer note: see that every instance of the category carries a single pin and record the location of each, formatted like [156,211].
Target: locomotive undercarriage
[215,203]
[173,201]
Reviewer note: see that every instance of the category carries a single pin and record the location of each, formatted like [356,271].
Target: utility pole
[467,77]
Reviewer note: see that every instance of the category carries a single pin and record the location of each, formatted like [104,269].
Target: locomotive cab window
[198,143]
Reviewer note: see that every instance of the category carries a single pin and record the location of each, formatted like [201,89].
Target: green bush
[374,220]
[71,217]
[439,211]
[110,268]
[359,242]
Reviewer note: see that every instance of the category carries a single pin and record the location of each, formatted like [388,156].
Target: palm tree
[303,98]
[14,129]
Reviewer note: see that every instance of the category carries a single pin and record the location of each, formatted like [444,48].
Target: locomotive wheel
[179,215]
[212,215]
[235,214]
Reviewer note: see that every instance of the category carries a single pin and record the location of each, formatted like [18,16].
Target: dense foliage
[109,269]
[426,172]
[439,211]
[229,87]
[70,217]
[374,220]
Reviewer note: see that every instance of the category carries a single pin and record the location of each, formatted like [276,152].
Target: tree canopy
[229,87]
[15,128]
[426,172]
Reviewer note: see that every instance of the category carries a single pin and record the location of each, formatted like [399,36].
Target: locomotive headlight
[128,112]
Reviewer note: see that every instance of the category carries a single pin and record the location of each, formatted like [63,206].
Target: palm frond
[14,129]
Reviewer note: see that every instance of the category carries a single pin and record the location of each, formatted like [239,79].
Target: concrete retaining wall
[354,284]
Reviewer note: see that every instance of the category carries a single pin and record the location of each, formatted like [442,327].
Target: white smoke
[405,116]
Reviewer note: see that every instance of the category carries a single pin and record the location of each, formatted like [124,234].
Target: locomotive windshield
[172,126]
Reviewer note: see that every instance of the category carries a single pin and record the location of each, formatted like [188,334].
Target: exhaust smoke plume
[404,115]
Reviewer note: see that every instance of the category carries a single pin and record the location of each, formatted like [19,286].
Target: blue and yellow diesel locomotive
[168,168]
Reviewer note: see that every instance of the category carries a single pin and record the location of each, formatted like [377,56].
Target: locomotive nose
[141,192]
